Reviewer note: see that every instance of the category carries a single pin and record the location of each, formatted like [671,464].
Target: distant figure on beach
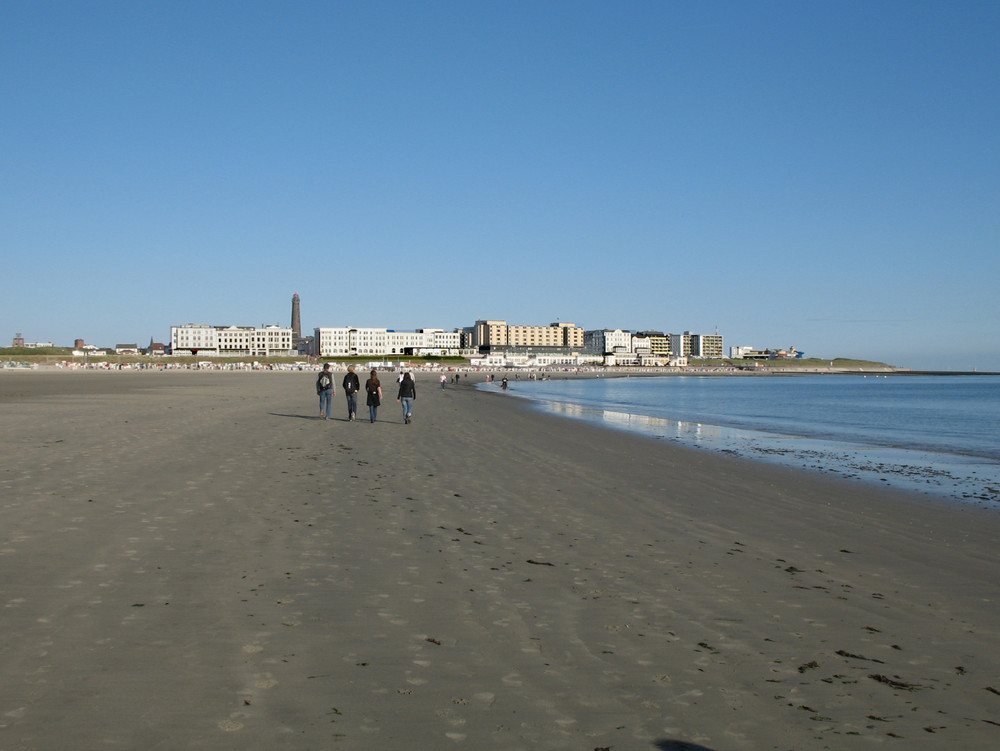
[407,393]
[352,385]
[374,390]
[444,380]
[324,387]
[503,383]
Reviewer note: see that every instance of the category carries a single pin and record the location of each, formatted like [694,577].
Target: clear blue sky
[817,174]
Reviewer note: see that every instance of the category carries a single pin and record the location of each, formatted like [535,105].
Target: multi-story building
[607,341]
[640,345]
[193,339]
[699,346]
[439,342]
[489,335]
[707,345]
[266,341]
[423,342]
[620,347]
[350,341]
[659,343]
[466,337]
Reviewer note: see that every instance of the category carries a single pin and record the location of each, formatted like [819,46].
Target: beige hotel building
[501,334]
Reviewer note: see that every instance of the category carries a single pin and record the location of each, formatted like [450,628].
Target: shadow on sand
[665,744]
[306,417]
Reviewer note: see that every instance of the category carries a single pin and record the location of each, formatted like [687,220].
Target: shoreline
[948,477]
[233,573]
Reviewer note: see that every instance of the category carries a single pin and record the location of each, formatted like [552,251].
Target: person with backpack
[352,385]
[326,391]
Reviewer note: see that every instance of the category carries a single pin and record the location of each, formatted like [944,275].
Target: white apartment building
[619,347]
[194,338]
[642,345]
[236,341]
[349,341]
[607,341]
[439,342]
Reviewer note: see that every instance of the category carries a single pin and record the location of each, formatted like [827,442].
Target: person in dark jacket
[325,390]
[374,390]
[407,393]
[352,385]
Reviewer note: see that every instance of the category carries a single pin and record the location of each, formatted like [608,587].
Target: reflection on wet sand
[969,479]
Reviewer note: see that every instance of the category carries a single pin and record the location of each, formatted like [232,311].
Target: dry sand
[194,561]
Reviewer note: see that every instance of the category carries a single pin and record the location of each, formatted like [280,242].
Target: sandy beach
[193,560]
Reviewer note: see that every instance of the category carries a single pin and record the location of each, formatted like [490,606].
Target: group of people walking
[373,388]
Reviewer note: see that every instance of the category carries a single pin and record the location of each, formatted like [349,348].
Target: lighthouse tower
[296,318]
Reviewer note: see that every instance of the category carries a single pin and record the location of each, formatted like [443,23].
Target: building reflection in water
[656,426]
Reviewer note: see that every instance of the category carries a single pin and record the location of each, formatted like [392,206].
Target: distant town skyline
[815,175]
[295,326]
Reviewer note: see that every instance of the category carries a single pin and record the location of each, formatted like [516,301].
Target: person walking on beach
[352,385]
[324,387]
[407,393]
[503,383]
[374,390]
[444,380]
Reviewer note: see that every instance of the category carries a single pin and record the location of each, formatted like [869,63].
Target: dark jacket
[407,387]
[352,383]
[372,389]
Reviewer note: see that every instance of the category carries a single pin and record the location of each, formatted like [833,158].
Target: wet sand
[194,561]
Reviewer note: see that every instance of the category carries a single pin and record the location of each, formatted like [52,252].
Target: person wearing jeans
[352,385]
[324,387]
[407,393]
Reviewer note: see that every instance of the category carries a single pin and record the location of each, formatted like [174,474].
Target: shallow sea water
[935,435]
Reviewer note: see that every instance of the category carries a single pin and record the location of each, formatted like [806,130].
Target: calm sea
[933,434]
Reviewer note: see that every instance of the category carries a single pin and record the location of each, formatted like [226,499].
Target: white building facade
[235,341]
[349,341]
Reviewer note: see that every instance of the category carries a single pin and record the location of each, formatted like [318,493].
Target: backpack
[325,382]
